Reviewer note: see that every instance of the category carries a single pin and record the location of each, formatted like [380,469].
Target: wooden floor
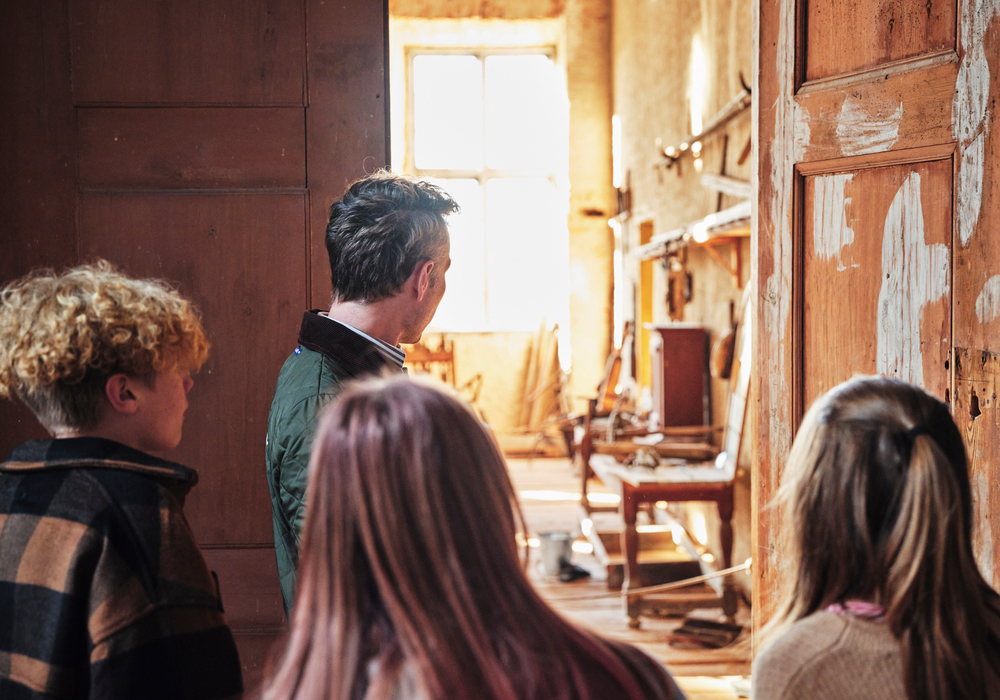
[549,493]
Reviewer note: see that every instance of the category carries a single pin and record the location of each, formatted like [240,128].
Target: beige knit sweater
[829,656]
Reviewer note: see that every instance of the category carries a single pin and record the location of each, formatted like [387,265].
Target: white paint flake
[914,274]
[970,187]
[802,130]
[988,301]
[984,550]
[831,232]
[970,112]
[864,128]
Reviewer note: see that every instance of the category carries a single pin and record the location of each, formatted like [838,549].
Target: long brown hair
[880,509]
[411,583]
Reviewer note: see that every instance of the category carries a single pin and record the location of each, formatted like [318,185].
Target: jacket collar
[96,453]
[357,355]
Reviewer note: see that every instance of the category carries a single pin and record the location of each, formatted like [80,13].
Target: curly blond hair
[63,335]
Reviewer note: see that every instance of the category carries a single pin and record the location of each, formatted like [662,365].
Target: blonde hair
[63,335]
[879,508]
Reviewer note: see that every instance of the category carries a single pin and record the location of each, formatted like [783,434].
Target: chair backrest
[739,384]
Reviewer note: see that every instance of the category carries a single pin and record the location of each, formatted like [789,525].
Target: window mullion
[483,182]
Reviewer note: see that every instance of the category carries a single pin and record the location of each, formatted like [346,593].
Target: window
[490,127]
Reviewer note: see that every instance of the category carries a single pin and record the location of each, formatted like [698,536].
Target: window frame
[484,174]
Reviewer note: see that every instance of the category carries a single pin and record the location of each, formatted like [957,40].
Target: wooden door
[876,227]
[202,143]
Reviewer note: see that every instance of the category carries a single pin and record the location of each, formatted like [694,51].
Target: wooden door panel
[882,110]
[842,37]
[240,258]
[197,147]
[188,52]
[876,276]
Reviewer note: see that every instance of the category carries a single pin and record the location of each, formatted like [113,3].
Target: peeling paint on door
[803,132]
[914,274]
[774,311]
[831,231]
[988,301]
[863,128]
[970,112]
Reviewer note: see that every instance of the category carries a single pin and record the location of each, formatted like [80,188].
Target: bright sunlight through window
[491,129]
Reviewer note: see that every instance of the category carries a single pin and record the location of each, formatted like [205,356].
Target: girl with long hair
[885,597]
[410,580]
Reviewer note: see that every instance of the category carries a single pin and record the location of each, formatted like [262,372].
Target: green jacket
[328,355]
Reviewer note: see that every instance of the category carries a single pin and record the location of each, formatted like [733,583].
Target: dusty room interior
[799,181]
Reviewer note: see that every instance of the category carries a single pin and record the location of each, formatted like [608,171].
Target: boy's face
[161,413]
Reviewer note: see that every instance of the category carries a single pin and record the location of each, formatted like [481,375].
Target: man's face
[432,297]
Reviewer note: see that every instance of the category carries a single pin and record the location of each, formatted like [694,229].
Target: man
[389,249]
[103,591]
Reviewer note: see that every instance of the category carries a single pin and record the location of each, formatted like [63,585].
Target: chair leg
[730,598]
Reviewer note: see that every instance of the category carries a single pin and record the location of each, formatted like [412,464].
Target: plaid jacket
[103,591]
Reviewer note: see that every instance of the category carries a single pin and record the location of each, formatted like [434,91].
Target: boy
[103,591]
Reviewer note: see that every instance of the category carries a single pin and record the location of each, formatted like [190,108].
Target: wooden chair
[685,475]
[438,362]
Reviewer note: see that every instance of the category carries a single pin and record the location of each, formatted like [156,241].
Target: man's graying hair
[380,229]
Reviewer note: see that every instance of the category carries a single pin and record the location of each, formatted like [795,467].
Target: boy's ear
[118,389]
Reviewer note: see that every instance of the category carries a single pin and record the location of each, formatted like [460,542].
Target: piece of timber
[681,450]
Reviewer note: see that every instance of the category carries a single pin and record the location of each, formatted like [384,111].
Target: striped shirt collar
[393,354]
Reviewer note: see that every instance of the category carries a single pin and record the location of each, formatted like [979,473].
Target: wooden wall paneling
[880,32]
[977,413]
[347,120]
[188,52]
[38,167]
[876,276]
[240,257]
[157,148]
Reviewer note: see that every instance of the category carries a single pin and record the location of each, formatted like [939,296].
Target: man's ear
[118,389]
[422,278]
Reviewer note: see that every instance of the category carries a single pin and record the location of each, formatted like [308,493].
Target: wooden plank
[248,581]
[881,31]
[347,121]
[251,294]
[867,115]
[37,200]
[531,378]
[977,200]
[774,341]
[191,148]
[876,271]
[188,52]
[977,413]
[255,648]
